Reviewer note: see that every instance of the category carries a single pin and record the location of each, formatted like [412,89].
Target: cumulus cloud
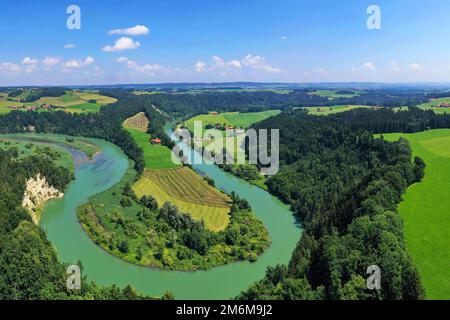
[200,66]
[259,63]
[369,66]
[249,61]
[69,46]
[10,67]
[30,64]
[147,68]
[137,30]
[79,63]
[121,44]
[30,61]
[415,67]
[394,66]
[51,61]
[219,63]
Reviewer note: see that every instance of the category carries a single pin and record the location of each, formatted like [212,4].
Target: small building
[14,107]
[214,113]
[444,105]
[31,108]
[155,141]
[47,106]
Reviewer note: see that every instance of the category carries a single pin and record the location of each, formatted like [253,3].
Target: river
[59,220]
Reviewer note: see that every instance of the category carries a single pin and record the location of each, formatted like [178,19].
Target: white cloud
[130,64]
[30,61]
[79,63]
[30,64]
[259,63]
[137,30]
[123,43]
[69,46]
[150,69]
[219,63]
[284,38]
[249,61]
[200,66]
[89,60]
[415,67]
[10,67]
[370,66]
[51,61]
[394,66]
[320,71]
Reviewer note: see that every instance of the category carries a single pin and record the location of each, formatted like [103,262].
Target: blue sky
[219,41]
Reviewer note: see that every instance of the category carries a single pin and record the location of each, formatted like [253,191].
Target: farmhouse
[444,105]
[14,107]
[155,141]
[32,108]
[214,113]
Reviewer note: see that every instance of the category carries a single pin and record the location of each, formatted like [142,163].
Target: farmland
[435,105]
[425,211]
[71,101]
[189,192]
[166,181]
[324,111]
[235,119]
[155,156]
[139,122]
[333,94]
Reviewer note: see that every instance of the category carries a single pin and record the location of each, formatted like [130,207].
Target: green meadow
[425,211]
[434,105]
[59,156]
[332,94]
[71,101]
[155,156]
[236,119]
[324,111]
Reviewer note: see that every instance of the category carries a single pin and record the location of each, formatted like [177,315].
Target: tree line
[344,185]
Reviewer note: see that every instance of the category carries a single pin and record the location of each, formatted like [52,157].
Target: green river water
[60,222]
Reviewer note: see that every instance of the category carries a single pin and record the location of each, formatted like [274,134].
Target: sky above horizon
[220,41]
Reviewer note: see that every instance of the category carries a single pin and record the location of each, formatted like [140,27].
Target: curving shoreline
[104,171]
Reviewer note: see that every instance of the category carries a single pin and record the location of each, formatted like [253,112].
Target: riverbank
[107,169]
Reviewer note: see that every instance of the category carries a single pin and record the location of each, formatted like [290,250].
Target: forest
[29,266]
[185,105]
[344,186]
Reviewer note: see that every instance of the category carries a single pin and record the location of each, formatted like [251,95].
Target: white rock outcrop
[37,192]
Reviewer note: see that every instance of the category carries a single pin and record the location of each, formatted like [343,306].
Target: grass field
[77,143]
[189,192]
[433,105]
[155,156]
[181,186]
[72,101]
[239,120]
[324,111]
[426,211]
[59,156]
[331,94]
[138,122]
